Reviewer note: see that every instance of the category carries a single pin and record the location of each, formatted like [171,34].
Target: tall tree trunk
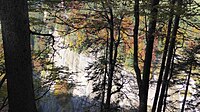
[148,56]
[186,90]
[16,43]
[135,36]
[163,59]
[170,76]
[111,63]
[113,57]
[104,77]
[169,59]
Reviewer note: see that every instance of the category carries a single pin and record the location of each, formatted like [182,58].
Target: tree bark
[148,56]
[135,36]
[112,57]
[16,43]
[169,58]
[167,86]
[186,90]
[163,59]
[104,77]
[111,62]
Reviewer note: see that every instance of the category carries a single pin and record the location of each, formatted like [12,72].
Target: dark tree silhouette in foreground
[16,43]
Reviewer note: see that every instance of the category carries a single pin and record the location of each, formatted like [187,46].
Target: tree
[163,58]
[104,22]
[16,43]
[143,82]
[169,58]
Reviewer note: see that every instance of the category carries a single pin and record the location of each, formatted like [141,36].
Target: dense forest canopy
[100,55]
